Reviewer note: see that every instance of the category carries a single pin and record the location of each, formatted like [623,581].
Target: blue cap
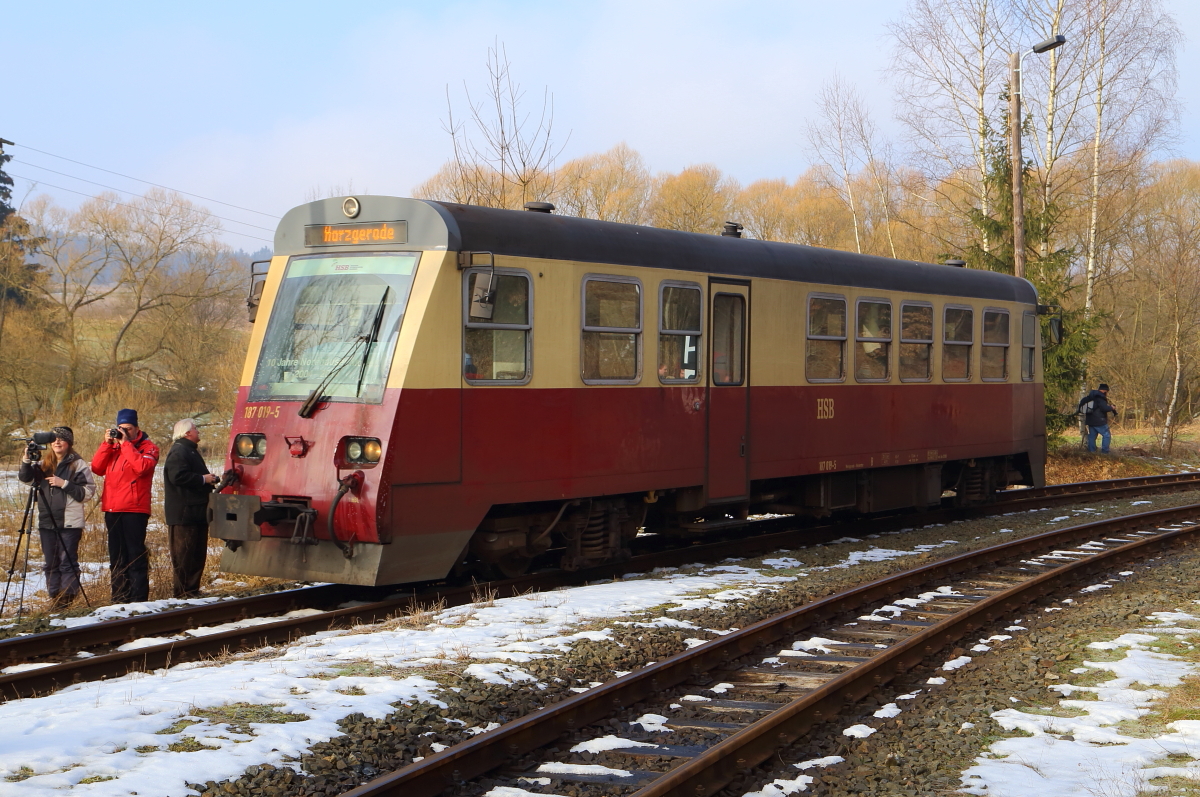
[127,416]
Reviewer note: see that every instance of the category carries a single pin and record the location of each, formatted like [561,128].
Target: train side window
[873,341]
[916,342]
[679,331]
[958,336]
[993,357]
[612,330]
[1029,327]
[826,339]
[728,339]
[496,349]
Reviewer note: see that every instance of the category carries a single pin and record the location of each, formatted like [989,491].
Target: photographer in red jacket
[126,460]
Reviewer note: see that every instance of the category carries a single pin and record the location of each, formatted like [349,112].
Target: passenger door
[728,391]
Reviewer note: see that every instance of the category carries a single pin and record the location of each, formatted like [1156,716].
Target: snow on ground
[1088,755]
[122,728]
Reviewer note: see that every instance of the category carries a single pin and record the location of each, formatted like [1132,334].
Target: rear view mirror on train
[1054,324]
[1055,330]
[483,296]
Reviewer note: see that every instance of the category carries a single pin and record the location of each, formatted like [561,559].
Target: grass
[1135,452]
[189,744]
[179,726]
[239,716]
[24,773]
[1181,703]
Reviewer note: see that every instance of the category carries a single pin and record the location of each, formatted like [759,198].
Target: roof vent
[956,263]
[732,230]
[539,207]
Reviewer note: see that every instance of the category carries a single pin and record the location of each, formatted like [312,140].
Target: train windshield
[334,327]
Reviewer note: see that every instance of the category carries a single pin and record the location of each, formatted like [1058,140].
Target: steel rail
[1055,494]
[30,682]
[719,765]
[1122,483]
[69,640]
[452,767]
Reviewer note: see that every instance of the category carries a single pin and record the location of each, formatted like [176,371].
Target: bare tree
[807,212]
[120,278]
[1131,79]
[611,186]
[948,63]
[503,157]
[698,199]
[832,139]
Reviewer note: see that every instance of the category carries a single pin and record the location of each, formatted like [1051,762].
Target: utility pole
[1014,131]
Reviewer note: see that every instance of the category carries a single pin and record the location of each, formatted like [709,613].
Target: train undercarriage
[580,533]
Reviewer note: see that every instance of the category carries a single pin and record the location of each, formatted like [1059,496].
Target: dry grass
[93,551]
[483,596]
[1181,703]
[416,618]
[1073,465]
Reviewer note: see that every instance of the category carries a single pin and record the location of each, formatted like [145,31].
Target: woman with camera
[62,482]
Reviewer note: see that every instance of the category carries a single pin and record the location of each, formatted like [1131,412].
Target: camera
[116,434]
[37,444]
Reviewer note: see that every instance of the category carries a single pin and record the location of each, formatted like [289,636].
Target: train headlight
[359,452]
[250,446]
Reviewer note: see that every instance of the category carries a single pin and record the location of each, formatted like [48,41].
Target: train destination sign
[372,232]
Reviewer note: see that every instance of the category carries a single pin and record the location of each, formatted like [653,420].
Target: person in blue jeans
[1095,409]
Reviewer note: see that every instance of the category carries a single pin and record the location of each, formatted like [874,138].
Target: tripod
[26,531]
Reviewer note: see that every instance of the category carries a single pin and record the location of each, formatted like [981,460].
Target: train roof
[437,225]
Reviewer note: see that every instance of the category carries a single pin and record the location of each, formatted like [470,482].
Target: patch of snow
[858,731]
[653,723]
[605,743]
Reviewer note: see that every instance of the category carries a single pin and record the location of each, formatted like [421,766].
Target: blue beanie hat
[127,416]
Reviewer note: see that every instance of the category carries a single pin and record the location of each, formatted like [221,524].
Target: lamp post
[1014,124]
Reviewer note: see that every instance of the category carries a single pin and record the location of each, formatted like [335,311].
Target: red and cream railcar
[432,387]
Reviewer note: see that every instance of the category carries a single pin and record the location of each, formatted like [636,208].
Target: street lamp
[1014,123]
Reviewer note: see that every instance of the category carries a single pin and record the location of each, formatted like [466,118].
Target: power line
[122,191]
[123,205]
[140,180]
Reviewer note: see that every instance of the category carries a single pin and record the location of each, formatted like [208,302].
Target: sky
[264,106]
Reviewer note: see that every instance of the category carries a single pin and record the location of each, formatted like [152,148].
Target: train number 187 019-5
[263,411]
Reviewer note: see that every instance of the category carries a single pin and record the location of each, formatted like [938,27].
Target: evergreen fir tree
[1062,364]
[6,184]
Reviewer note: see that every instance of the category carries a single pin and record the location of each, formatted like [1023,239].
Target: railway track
[756,711]
[48,661]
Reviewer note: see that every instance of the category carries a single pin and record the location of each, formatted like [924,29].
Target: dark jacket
[185,495]
[128,469]
[1095,409]
[61,507]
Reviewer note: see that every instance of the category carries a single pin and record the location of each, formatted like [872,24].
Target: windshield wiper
[374,336]
[314,398]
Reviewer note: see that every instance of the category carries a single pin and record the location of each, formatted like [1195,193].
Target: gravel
[921,751]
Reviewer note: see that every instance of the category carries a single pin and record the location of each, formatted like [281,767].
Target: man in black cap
[1095,409]
[126,459]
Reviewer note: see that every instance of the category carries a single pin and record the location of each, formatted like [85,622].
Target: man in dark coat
[1095,409]
[186,485]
